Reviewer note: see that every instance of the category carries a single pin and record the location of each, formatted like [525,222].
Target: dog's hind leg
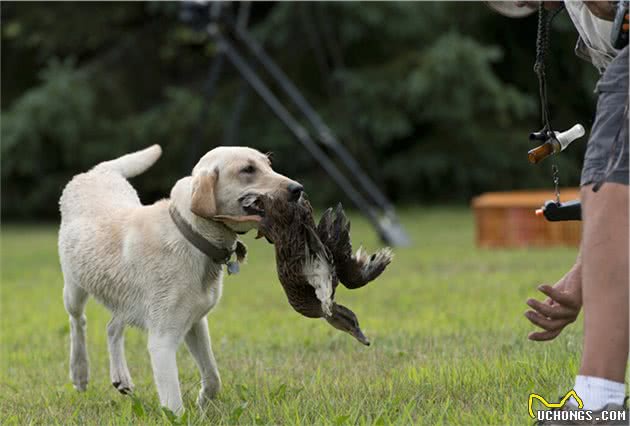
[118,371]
[74,299]
[198,343]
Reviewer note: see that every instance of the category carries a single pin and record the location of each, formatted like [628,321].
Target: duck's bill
[358,334]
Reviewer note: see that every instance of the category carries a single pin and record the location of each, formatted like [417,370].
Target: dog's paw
[80,386]
[79,375]
[206,394]
[122,382]
[123,388]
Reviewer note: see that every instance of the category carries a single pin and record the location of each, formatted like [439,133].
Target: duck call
[554,144]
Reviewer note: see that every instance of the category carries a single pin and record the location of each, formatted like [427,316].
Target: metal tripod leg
[230,134]
[292,124]
[231,129]
[213,76]
[325,135]
[387,225]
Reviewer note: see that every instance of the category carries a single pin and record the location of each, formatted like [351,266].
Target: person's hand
[549,5]
[561,308]
[602,9]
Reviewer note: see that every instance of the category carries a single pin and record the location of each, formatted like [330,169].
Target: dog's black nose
[295,190]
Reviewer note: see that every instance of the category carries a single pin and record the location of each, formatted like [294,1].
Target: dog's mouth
[254,212]
[252,205]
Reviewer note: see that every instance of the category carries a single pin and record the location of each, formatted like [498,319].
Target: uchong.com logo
[554,412]
[560,404]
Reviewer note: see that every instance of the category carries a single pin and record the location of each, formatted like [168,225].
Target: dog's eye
[248,170]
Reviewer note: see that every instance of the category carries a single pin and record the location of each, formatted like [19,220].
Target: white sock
[596,392]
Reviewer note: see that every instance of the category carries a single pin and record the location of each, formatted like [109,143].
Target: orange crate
[507,219]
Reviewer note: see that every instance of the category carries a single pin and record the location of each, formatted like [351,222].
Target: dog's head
[228,181]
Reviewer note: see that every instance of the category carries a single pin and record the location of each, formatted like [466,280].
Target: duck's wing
[325,229]
[353,270]
[318,270]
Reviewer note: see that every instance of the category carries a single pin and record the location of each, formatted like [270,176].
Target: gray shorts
[606,157]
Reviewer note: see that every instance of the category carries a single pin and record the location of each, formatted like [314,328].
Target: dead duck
[312,260]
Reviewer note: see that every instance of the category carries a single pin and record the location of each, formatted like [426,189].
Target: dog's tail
[132,164]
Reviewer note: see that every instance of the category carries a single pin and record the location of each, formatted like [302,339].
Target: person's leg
[605,281]
[605,244]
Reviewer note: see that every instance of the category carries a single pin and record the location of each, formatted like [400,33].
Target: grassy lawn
[445,320]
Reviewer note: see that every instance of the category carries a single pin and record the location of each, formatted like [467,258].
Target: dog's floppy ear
[203,202]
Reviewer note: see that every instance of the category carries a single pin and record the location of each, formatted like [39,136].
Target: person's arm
[602,9]
[549,5]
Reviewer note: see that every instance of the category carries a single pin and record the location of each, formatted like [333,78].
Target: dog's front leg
[162,349]
[198,343]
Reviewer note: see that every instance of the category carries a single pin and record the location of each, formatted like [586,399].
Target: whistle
[555,144]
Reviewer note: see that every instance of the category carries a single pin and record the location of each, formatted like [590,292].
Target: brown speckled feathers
[285,225]
[311,260]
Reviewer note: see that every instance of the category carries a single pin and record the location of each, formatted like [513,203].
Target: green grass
[446,322]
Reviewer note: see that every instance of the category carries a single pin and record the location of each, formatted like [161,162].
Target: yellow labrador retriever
[158,267]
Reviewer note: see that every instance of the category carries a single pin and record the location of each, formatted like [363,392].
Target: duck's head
[344,319]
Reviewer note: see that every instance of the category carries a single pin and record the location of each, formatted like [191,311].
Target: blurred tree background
[435,99]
